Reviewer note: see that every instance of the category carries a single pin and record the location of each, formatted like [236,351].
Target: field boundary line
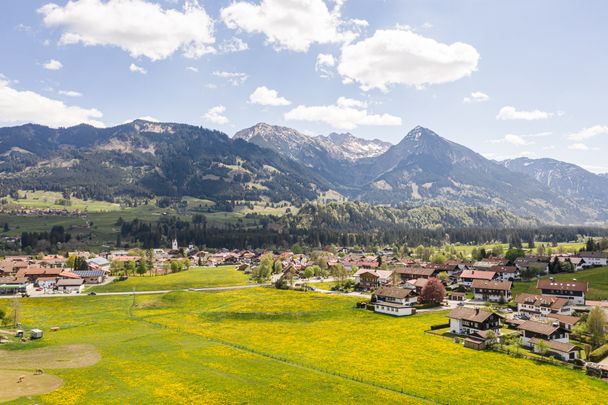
[288,361]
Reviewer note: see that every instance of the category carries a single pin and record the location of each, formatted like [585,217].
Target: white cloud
[28,106]
[578,146]
[399,56]
[192,69]
[139,27]
[476,97]
[143,118]
[234,78]
[53,64]
[137,69]
[291,24]
[265,96]
[520,140]
[232,45]
[325,65]
[346,114]
[70,93]
[587,133]
[216,115]
[511,113]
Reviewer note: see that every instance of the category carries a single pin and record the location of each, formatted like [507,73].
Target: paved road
[231,287]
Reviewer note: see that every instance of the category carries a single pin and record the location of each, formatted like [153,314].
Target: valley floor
[262,345]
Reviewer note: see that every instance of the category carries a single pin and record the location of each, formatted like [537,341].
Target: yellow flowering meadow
[269,346]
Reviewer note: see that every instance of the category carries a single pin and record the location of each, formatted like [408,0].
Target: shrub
[599,354]
[440,326]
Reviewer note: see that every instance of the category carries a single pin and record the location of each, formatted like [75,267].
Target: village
[548,320]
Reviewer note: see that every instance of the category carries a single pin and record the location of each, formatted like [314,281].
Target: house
[491,290]
[540,330]
[578,262]
[99,263]
[510,273]
[458,296]
[372,279]
[394,301]
[413,273]
[13,285]
[539,263]
[565,351]
[566,322]
[91,276]
[468,321]
[572,290]
[467,276]
[417,284]
[543,305]
[33,273]
[70,285]
[594,258]
[452,268]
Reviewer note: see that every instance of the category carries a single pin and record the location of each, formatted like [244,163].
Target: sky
[518,78]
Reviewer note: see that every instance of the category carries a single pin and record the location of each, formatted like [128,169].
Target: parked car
[92,293]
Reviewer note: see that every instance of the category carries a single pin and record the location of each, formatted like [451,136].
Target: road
[232,287]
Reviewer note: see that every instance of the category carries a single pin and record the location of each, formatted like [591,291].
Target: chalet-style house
[594,258]
[470,321]
[541,330]
[467,276]
[491,290]
[556,339]
[394,301]
[566,322]
[572,290]
[413,273]
[543,305]
[372,279]
[506,273]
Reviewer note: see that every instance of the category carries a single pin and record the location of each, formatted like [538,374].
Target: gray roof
[89,273]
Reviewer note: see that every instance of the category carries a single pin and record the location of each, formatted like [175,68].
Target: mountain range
[276,163]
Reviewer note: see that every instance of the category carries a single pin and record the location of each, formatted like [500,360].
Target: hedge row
[599,354]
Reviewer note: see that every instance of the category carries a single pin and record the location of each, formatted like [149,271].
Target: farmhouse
[572,290]
[495,291]
[467,276]
[594,258]
[33,273]
[468,321]
[394,301]
[543,305]
[544,331]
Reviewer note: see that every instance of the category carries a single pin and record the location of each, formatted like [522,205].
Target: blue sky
[505,78]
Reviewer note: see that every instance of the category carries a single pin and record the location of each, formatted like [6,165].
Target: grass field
[597,278]
[270,346]
[195,277]
[50,199]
